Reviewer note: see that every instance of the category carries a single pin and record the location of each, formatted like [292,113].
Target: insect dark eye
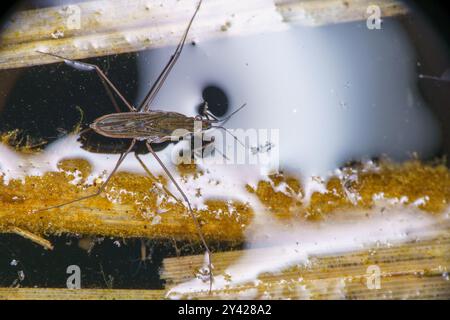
[217,100]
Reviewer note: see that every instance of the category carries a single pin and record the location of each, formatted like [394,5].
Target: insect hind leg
[102,187]
[191,212]
[83,66]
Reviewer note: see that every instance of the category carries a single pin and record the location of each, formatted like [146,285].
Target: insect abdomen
[155,125]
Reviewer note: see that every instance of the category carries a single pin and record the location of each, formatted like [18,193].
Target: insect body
[144,126]
[153,126]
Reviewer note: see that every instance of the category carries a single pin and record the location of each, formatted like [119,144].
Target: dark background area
[106,265]
[438,12]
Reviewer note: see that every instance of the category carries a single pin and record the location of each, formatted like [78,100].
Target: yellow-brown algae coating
[127,209]
[133,206]
[408,182]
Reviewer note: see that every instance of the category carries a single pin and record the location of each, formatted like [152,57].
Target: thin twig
[33,237]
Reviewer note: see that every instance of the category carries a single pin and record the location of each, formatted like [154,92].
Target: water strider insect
[143,126]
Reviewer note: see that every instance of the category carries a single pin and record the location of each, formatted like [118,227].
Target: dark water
[105,266]
[110,263]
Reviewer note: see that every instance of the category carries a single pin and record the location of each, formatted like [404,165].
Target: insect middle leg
[146,104]
[153,178]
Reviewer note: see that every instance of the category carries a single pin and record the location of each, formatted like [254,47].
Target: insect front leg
[205,112]
[205,147]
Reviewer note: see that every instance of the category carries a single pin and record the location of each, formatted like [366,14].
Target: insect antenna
[224,120]
[234,137]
